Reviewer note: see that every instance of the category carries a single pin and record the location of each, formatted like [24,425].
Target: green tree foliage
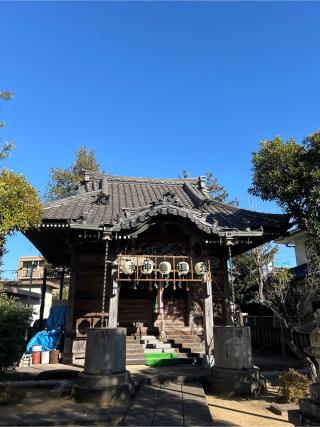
[5,146]
[217,192]
[20,206]
[289,174]
[14,321]
[65,182]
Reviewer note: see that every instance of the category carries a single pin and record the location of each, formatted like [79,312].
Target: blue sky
[156,87]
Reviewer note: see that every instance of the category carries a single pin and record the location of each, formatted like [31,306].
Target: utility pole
[61,283]
[30,283]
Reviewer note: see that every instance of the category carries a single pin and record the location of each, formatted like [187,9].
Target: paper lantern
[147,266]
[183,268]
[200,268]
[165,268]
[128,267]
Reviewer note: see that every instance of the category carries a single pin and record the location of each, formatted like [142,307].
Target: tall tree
[65,182]
[217,191]
[20,206]
[288,300]
[250,271]
[289,174]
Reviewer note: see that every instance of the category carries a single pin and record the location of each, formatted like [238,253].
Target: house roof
[122,203]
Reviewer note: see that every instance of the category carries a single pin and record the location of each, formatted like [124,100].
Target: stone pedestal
[105,380]
[234,373]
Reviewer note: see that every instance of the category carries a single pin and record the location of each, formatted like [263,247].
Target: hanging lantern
[164,268]
[128,267]
[147,266]
[183,268]
[201,268]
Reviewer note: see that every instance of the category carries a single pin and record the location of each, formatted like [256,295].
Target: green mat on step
[160,359]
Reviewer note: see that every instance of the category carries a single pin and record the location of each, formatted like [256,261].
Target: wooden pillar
[190,305]
[70,332]
[208,317]
[114,300]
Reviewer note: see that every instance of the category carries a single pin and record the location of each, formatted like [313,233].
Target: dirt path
[241,412]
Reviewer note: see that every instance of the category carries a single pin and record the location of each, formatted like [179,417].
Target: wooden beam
[114,300]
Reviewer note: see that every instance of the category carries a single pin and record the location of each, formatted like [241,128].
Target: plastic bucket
[45,357]
[54,356]
[36,357]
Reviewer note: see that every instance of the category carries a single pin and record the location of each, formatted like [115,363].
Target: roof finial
[203,186]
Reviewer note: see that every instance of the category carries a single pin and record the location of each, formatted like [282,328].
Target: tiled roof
[124,202]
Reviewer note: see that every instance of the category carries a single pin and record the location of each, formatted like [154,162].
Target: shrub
[14,321]
[293,386]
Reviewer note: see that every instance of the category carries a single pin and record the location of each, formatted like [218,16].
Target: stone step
[177,334]
[138,361]
[158,345]
[134,352]
[157,350]
[148,337]
[134,345]
[184,339]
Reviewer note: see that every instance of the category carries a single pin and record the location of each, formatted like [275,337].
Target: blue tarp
[55,325]
[47,339]
[57,318]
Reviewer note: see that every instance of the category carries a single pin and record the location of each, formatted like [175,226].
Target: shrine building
[151,255]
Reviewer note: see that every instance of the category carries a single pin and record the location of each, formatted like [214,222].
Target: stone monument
[234,372]
[309,409]
[105,379]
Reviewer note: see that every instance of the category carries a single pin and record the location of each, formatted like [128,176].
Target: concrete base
[113,390]
[105,380]
[230,382]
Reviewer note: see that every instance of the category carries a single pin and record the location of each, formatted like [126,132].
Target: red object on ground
[54,357]
[36,357]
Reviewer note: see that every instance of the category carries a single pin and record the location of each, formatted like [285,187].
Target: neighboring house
[297,238]
[27,288]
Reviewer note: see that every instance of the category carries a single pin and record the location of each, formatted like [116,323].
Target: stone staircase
[187,346]
[186,341]
[135,351]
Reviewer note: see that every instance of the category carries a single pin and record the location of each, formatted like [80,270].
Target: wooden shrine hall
[151,255]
